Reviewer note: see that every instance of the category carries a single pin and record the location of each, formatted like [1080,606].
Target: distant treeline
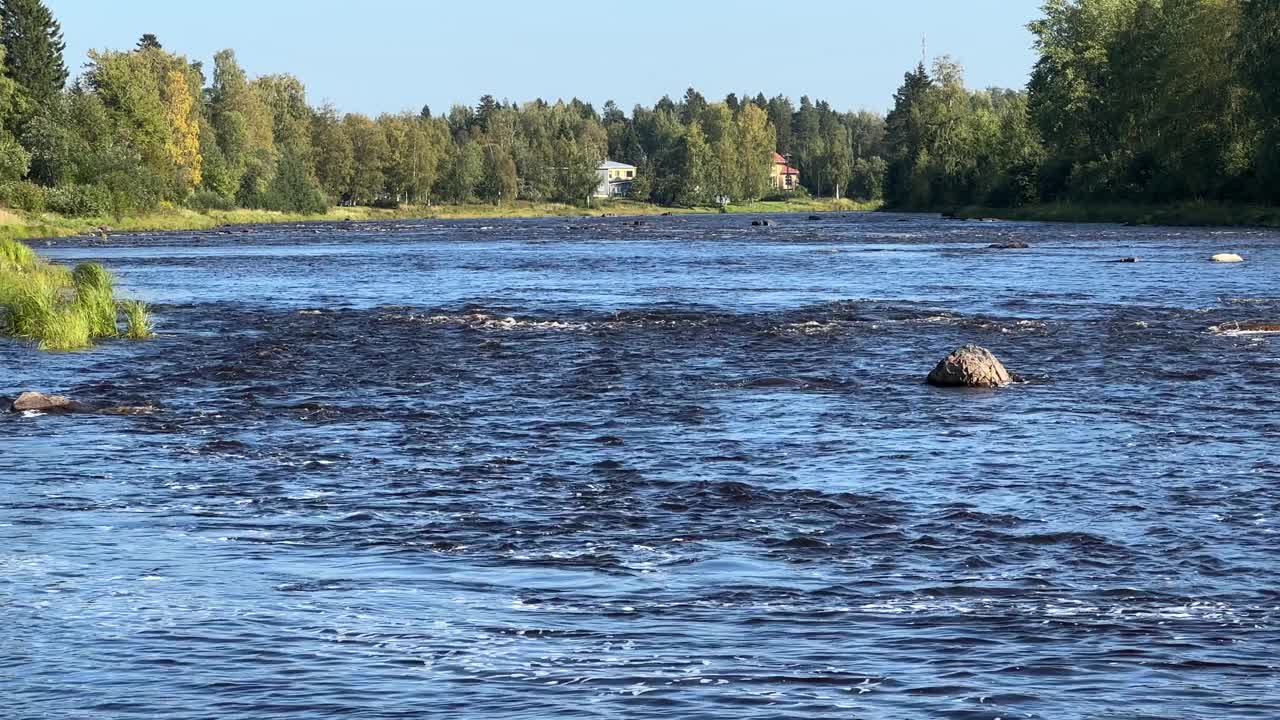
[1144,101]
[1139,100]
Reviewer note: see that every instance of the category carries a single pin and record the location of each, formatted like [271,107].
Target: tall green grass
[137,318]
[58,309]
[95,299]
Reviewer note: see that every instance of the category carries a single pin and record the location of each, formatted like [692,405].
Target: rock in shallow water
[1227,258]
[970,366]
[39,402]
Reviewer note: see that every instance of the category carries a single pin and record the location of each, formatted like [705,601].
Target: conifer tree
[33,46]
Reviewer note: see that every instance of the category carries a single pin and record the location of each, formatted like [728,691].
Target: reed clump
[58,309]
[137,320]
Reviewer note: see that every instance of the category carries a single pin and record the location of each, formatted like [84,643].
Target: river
[686,468]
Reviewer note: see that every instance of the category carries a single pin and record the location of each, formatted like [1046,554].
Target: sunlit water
[683,469]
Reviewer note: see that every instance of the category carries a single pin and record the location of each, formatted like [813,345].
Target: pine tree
[33,45]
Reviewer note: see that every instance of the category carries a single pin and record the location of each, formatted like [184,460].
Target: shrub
[206,200]
[25,196]
[80,200]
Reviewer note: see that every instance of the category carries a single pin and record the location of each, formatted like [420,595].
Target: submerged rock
[39,402]
[130,410]
[970,366]
[1013,245]
[1227,258]
[1126,260]
[761,223]
[815,217]
[1246,328]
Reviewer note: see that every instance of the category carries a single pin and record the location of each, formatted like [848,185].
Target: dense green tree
[692,106]
[33,45]
[1259,67]
[781,113]
[837,166]
[368,151]
[498,180]
[867,179]
[485,110]
[153,98]
[245,128]
[755,140]
[333,152]
[294,187]
[905,133]
[462,172]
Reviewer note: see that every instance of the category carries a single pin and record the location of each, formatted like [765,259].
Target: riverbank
[1188,214]
[17,225]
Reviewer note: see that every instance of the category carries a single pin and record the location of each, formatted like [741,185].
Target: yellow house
[615,178]
[782,175]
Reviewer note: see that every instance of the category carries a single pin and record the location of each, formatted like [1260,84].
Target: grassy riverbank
[19,225]
[1188,214]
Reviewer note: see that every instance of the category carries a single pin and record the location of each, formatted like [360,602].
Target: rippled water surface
[682,469]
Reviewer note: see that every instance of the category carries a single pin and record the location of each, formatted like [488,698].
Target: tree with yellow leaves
[183,145]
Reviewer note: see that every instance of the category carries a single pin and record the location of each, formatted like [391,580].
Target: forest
[1137,100]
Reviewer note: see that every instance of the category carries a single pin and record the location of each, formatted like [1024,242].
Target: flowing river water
[686,468]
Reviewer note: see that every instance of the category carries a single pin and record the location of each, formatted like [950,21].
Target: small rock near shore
[1227,258]
[148,409]
[39,402]
[970,366]
[1012,245]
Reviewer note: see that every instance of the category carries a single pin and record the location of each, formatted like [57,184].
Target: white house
[615,178]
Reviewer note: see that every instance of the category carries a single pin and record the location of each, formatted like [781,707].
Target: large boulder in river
[970,366]
[1227,258]
[39,402]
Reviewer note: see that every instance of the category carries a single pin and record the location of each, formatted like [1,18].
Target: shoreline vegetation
[1181,215]
[60,309]
[32,226]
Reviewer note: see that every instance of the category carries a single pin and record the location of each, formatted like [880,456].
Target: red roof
[786,169]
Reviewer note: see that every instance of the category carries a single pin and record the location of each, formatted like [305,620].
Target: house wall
[781,180]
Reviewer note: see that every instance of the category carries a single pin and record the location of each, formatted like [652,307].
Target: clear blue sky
[376,56]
